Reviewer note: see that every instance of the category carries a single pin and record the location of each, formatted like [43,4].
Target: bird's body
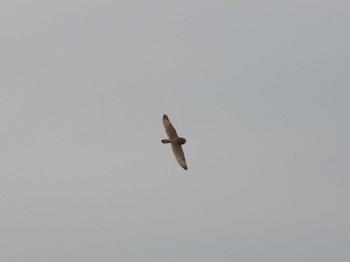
[175,142]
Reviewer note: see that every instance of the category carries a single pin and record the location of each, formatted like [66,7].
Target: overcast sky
[260,90]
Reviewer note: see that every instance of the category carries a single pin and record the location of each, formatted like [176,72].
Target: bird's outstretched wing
[169,128]
[179,155]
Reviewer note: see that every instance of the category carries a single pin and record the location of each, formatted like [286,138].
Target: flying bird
[175,142]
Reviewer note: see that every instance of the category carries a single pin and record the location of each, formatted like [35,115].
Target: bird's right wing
[169,128]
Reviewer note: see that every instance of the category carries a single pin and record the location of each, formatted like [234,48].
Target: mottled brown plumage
[175,142]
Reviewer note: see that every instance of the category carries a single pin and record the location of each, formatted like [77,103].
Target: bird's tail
[165,141]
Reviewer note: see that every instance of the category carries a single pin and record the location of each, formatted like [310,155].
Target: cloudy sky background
[260,90]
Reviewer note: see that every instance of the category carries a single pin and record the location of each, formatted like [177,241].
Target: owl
[175,141]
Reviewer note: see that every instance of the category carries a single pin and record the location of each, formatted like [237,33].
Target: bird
[175,141]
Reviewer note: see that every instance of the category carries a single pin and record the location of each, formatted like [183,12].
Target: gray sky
[260,90]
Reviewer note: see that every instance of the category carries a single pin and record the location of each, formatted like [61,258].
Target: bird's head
[182,140]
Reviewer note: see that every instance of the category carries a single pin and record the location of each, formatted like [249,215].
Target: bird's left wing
[179,155]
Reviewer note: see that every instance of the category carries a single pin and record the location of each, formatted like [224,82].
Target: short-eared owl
[175,142]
